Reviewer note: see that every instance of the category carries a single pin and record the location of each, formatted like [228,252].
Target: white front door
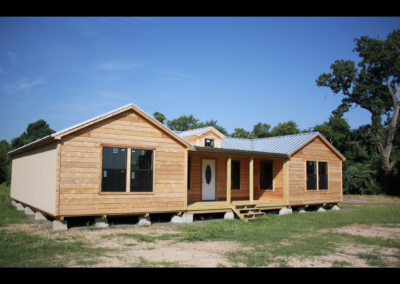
[208,177]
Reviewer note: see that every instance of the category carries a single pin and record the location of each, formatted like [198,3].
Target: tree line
[372,150]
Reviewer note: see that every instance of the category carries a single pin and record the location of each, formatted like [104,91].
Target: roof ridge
[253,139]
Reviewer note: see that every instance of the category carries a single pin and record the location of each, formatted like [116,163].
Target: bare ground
[129,252]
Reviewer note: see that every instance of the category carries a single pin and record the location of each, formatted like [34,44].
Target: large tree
[374,87]
[5,160]
[34,131]
[286,128]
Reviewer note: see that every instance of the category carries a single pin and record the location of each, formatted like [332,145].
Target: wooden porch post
[228,180]
[251,180]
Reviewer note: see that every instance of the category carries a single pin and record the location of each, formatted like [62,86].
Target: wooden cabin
[127,163]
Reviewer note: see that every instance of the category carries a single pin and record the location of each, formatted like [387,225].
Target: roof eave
[241,151]
[46,138]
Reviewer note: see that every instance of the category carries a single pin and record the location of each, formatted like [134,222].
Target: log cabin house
[125,162]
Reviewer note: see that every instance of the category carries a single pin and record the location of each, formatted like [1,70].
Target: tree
[5,160]
[241,133]
[261,130]
[183,123]
[286,128]
[336,130]
[34,131]
[375,87]
[214,124]
[160,117]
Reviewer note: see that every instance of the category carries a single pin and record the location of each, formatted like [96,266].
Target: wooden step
[253,214]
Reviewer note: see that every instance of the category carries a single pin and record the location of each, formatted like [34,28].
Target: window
[141,170]
[266,175]
[323,175]
[209,143]
[188,175]
[114,170]
[235,178]
[312,169]
[116,175]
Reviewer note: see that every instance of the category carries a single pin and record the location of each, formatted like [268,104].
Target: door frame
[201,177]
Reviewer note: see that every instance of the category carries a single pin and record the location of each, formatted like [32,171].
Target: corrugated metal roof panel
[279,144]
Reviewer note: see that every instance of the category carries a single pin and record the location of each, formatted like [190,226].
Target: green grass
[23,249]
[300,231]
[8,214]
[340,264]
[145,263]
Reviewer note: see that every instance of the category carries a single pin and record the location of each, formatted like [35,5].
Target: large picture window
[141,170]
[235,184]
[114,170]
[317,175]
[118,177]
[266,175]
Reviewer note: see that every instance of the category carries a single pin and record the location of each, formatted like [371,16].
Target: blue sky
[238,71]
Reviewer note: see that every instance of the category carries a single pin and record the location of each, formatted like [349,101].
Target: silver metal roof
[90,120]
[272,145]
[195,131]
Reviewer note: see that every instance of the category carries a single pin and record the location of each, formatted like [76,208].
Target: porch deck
[223,206]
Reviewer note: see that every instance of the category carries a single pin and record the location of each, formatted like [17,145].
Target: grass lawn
[19,248]
[274,241]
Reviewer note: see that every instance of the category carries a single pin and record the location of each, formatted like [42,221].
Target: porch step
[248,212]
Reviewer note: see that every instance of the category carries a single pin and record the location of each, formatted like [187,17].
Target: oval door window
[208,174]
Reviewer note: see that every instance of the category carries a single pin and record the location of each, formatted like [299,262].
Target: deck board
[218,205]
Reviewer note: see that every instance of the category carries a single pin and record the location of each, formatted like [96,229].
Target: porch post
[251,180]
[228,180]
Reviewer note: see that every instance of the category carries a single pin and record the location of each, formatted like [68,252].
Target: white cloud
[22,87]
[11,54]
[117,66]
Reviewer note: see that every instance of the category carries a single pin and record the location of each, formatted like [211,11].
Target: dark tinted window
[311,175]
[141,170]
[266,175]
[323,175]
[235,184]
[188,175]
[209,143]
[114,170]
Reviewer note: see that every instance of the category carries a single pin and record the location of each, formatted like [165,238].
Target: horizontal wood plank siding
[319,152]
[81,163]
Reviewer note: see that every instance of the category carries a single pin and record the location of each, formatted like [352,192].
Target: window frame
[240,180]
[317,171]
[211,141]
[259,176]
[128,170]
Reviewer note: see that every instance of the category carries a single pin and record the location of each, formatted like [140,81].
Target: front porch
[235,182]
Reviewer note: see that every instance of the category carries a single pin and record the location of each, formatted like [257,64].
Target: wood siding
[208,135]
[80,173]
[195,192]
[34,176]
[319,152]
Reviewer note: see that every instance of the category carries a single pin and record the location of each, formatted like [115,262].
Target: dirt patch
[367,231]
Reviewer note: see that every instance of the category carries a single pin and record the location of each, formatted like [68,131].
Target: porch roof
[279,145]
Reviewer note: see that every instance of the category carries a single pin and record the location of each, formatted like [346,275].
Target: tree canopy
[34,131]
[374,87]
[286,128]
